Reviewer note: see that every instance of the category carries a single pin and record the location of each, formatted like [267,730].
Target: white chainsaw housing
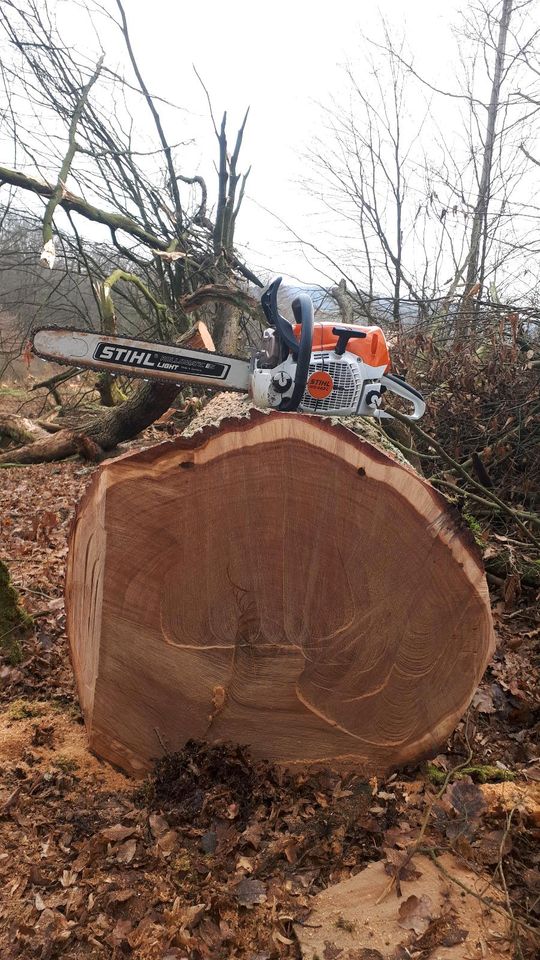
[357,390]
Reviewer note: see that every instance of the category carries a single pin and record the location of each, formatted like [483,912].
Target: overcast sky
[282,59]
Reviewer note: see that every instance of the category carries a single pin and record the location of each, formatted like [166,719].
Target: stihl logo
[320,385]
[187,365]
[140,358]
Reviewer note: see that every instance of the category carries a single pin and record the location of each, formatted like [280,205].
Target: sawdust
[50,738]
[347,919]
[524,798]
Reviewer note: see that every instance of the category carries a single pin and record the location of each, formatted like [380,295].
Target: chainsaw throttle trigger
[344,334]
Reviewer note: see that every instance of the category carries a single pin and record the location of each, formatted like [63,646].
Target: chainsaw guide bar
[143,359]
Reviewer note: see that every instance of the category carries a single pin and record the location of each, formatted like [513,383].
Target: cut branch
[47,255]
[74,204]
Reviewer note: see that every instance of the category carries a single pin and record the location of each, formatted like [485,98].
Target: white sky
[281,59]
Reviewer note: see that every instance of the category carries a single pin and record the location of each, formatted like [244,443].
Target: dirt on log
[277,580]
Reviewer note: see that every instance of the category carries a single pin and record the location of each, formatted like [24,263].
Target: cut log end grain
[278,581]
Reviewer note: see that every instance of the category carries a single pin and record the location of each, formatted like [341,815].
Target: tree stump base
[278,581]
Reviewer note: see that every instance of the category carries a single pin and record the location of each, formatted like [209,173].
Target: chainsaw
[323,368]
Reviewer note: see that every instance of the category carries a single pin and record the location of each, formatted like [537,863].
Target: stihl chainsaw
[323,368]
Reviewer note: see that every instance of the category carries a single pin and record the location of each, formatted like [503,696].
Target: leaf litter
[217,855]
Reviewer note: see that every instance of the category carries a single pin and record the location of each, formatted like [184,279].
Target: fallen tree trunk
[113,425]
[21,429]
[277,580]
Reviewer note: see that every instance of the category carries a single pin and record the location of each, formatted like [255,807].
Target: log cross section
[275,580]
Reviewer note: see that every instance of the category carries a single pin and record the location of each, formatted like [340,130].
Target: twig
[486,900]
[58,378]
[466,476]
[488,503]
[163,744]
[505,885]
[416,845]
[60,187]
[18,626]
[13,797]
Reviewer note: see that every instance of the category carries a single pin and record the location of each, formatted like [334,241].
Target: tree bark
[14,621]
[344,301]
[19,428]
[475,264]
[275,579]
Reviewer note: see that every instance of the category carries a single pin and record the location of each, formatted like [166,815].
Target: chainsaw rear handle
[403,389]
[303,314]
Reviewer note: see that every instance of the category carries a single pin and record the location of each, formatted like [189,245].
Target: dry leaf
[126,851]
[483,701]
[54,925]
[252,834]
[489,849]
[120,896]
[330,952]
[364,953]
[167,842]
[441,932]
[68,878]
[37,877]
[468,801]
[121,932]
[39,902]
[415,913]
[400,862]
[511,589]
[158,825]
[250,892]
[185,916]
[116,833]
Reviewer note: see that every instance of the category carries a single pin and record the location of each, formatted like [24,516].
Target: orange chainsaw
[324,368]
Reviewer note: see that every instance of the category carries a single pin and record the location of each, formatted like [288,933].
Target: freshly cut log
[276,580]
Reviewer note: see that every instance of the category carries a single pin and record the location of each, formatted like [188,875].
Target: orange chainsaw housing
[371,349]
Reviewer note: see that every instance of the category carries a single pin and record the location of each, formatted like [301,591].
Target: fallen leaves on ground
[216,855]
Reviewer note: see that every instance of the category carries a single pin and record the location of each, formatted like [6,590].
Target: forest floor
[218,856]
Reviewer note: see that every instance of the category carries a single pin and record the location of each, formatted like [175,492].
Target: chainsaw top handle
[300,350]
[288,341]
[303,314]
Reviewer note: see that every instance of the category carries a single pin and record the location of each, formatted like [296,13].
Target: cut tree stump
[275,580]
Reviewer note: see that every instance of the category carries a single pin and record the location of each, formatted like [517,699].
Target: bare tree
[476,261]
[425,188]
[80,149]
